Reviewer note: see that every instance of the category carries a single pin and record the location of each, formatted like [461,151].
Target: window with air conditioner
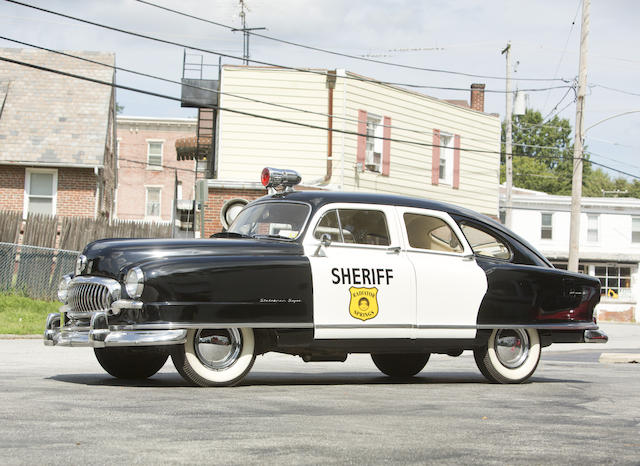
[446,159]
[373,154]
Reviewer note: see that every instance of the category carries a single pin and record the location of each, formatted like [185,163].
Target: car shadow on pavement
[164,380]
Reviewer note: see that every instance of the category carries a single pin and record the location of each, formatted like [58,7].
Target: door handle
[394,250]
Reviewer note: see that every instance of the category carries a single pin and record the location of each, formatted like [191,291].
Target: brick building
[57,135]
[149,172]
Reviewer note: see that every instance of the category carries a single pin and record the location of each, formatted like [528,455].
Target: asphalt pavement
[58,406]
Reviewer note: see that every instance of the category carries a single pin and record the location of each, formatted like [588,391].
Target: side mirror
[325,240]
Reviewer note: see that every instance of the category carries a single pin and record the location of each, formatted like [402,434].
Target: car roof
[318,198]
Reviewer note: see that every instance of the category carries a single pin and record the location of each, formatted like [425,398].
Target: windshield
[271,220]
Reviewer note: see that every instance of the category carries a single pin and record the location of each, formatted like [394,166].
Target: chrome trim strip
[559,326]
[186,325]
[121,304]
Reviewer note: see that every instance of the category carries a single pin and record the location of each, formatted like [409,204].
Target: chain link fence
[34,271]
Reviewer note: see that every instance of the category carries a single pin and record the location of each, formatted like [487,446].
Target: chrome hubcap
[511,347]
[218,349]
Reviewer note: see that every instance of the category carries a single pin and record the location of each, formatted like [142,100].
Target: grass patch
[24,316]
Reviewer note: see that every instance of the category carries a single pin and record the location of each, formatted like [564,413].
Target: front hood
[108,257]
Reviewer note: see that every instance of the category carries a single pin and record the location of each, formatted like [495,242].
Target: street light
[611,118]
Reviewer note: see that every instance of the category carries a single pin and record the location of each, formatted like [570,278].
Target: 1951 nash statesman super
[323,274]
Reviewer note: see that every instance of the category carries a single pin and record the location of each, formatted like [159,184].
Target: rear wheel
[131,363]
[215,357]
[400,365]
[511,355]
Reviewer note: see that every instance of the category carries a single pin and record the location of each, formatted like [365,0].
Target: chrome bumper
[99,335]
[595,336]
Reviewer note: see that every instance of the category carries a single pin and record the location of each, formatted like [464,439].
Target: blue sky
[465,36]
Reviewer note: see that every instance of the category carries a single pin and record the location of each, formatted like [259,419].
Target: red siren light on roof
[273,178]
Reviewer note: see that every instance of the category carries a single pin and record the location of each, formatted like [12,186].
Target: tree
[542,154]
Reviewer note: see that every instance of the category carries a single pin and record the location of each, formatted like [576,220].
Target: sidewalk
[623,345]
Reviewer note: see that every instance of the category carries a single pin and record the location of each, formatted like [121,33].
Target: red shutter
[435,158]
[362,139]
[456,161]
[386,146]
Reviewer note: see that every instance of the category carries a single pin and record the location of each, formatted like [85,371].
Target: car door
[363,284]
[450,285]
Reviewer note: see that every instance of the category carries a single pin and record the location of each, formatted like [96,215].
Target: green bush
[20,315]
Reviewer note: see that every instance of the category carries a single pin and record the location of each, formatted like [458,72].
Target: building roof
[54,120]
[536,200]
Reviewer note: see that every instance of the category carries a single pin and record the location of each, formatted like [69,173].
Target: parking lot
[58,406]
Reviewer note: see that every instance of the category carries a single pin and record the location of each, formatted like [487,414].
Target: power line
[615,90]
[281,120]
[564,51]
[321,73]
[344,118]
[287,107]
[341,54]
[240,112]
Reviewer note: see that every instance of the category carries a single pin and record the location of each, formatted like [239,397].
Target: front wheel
[215,357]
[511,355]
[400,365]
[131,362]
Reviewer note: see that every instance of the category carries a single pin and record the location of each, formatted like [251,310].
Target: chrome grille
[91,294]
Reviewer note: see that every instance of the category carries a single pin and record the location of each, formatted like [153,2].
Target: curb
[19,337]
[616,358]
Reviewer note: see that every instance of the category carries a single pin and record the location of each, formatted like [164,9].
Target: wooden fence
[36,252]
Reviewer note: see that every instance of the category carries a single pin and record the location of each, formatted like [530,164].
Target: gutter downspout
[331,84]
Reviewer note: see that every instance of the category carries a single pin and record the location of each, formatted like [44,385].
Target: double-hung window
[40,191]
[373,155]
[154,155]
[446,159]
[592,228]
[546,226]
[152,205]
[635,229]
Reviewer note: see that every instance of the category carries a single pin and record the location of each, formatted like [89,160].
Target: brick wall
[217,198]
[11,187]
[76,192]
[75,195]
[133,173]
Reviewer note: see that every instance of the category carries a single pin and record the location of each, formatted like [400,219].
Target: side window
[432,233]
[485,244]
[354,226]
[329,225]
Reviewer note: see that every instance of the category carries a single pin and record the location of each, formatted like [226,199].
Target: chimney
[477,97]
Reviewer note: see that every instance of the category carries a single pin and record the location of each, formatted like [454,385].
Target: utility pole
[246,32]
[576,182]
[508,141]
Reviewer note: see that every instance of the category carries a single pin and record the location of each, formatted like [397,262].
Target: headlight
[134,282]
[63,288]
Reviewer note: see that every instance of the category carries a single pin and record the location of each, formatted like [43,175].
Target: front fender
[228,289]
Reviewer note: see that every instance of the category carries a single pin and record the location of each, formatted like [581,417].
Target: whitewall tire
[215,357]
[511,355]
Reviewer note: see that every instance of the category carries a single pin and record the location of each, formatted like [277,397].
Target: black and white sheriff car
[320,275]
